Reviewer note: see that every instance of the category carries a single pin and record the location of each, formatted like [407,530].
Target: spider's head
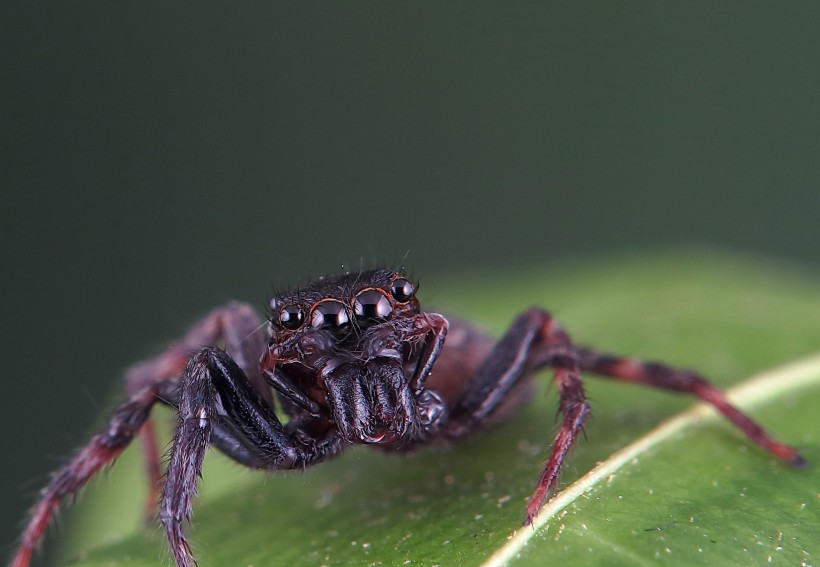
[333,313]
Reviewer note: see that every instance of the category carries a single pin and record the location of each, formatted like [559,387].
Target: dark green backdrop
[160,158]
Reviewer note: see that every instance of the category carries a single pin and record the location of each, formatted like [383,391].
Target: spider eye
[371,305]
[402,290]
[291,317]
[329,313]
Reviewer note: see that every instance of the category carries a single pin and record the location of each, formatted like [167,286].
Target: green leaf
[695,492]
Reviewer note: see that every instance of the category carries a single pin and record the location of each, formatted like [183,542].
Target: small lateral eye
[291,316]
[371,305]
[402,290]
[330,313]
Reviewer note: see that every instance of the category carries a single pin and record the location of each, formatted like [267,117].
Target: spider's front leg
[237,326]
[147,383]
[533,340]
[217,399]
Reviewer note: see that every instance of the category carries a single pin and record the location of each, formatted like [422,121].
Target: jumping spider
[350,360]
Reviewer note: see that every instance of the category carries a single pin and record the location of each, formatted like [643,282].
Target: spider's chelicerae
[351,359]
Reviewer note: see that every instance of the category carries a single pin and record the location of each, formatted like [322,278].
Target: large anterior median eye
[329,313]
[371,305]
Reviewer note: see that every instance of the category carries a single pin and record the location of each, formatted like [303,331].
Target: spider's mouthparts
[385,436]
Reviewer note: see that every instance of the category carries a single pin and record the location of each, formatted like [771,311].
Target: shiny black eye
[291,316]
[329,314]
[402,290]
[371,305]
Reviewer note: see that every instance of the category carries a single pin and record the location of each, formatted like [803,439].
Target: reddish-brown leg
[678,380]
[534,340]
[574,408]
[103,448]
[150,382]
[150,454]
[235,325]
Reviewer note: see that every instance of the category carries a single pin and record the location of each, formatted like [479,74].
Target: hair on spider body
[350,361]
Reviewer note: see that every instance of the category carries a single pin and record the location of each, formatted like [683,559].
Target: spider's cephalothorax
[350,359]
[354,351]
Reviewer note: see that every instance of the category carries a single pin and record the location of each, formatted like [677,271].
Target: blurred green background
[161,158]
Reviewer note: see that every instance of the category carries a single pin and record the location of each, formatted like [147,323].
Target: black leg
[237,326]
[156,380]
[215,394]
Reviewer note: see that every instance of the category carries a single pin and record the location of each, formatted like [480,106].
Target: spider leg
[235,325]
[216,395]
[533,340]
[679,380]
[152,381]
[126,421]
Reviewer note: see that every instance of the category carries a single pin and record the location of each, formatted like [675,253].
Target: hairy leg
[147,383]
[126,421]
[237,327]
[685,381]
[534,340]
[215,395]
